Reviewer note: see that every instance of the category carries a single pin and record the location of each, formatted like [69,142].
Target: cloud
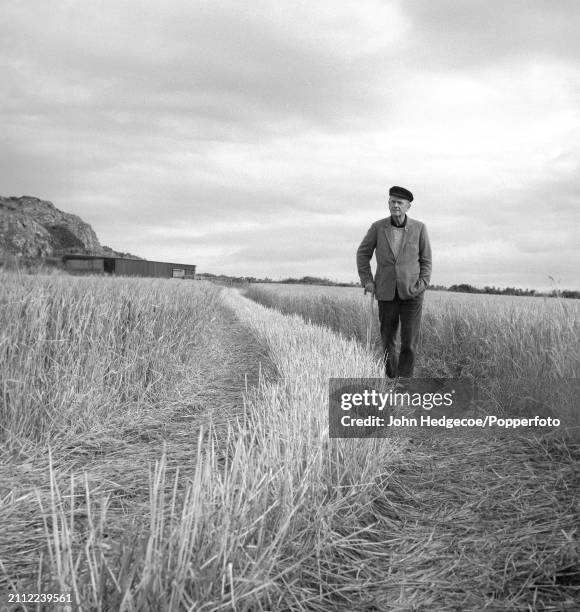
[467,35]
[262,139]
[215,62]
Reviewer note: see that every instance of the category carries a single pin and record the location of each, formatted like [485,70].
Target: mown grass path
[175,504]
[116,462]
[457,521]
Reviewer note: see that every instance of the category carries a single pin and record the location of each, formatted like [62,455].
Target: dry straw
[167,488]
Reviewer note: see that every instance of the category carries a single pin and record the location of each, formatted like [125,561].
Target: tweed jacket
[409,272]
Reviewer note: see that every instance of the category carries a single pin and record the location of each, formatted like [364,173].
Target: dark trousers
[408,313]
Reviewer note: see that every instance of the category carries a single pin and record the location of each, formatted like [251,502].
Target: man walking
[403,254]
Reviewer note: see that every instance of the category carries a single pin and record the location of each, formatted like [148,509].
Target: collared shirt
[397,234]
[402,224]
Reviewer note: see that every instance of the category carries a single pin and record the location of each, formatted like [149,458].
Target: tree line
[458,288]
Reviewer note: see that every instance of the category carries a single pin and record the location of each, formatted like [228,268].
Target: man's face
[398,206]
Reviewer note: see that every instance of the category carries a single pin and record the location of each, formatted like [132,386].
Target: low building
[120,266]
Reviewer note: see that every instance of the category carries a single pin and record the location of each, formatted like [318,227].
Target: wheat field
[165,447]
[514,346]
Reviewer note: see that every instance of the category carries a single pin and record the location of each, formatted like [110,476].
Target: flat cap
[401,192]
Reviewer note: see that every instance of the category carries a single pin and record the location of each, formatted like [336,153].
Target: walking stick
[370,320]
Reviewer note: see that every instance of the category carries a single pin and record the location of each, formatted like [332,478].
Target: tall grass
[462,334]
[524,351]
[78,353]
[343,310]
[263,511]
[248,500]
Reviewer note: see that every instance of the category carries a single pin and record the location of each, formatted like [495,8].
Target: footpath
[458,524]
[117,465]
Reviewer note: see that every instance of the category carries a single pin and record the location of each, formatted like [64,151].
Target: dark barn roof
[82,256]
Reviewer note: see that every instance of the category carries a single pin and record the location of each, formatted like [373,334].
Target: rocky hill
[32,229]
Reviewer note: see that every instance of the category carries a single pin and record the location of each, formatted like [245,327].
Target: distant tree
[571,294]
[463,288]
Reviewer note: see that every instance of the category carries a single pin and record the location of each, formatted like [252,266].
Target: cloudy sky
[261,138]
